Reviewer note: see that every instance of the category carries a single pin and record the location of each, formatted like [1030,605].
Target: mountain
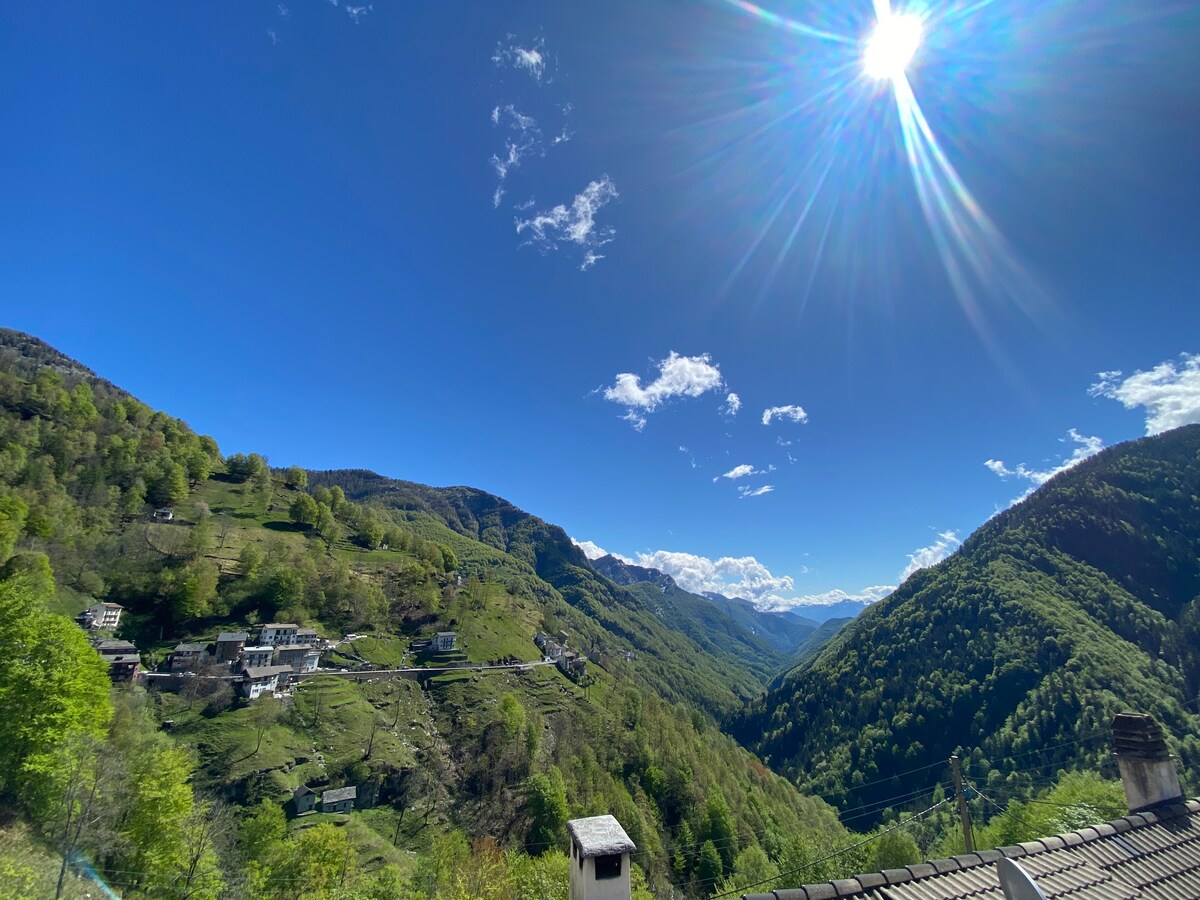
[712,615]
[823,612]
[1079,602]
[674,642]
[443,758]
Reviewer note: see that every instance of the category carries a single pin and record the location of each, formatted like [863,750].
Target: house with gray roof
[1151,854]
[230,644]
[188,657]
[261,680]
[599,863]
[339,800]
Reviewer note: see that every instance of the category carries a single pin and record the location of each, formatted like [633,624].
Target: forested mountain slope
[1081,601]
[441,759]
[685,647]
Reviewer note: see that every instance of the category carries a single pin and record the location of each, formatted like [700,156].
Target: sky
[679,277]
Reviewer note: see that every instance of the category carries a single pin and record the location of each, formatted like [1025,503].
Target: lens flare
[892,46]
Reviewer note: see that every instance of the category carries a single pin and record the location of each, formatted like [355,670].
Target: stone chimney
[1147,770]
[599,862]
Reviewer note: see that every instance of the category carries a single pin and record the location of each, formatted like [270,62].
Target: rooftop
[266,671]
[337,795]
[1151,854]
[600,836]
[190,648]
[231,636]
[278,625]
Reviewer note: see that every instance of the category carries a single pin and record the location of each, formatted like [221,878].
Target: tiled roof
[1153,854]
[339,794]
[256,672]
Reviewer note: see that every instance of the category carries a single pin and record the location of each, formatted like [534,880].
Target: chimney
[599,861]
[1147,770]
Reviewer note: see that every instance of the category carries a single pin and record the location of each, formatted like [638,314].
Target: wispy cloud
[530,59]
[273,36]
[736,472]
[357,12]
[284,12]
[732,405]
[525,139]
[1086,446]
[792,413]
[946,543]
[678,376]
[1170,392]
[574,224]
[745,491]
[691,457]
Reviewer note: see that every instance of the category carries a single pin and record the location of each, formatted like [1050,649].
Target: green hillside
[1079,602]
[451,765]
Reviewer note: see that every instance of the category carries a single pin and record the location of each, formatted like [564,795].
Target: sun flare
[892,45]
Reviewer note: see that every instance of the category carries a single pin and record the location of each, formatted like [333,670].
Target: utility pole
[964,813]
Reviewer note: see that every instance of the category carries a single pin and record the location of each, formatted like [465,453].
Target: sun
[891,46]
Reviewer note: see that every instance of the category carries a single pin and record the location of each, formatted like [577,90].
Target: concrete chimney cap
[1138,736]
[600,836]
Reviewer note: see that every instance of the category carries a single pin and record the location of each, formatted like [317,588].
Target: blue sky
[535,247]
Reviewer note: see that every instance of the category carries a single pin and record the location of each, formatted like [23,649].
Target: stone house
[230,645]
[188,657]
[339,800]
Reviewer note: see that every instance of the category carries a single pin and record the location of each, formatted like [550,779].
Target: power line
[844,850]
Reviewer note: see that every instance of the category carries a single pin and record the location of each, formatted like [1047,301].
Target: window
[608,866]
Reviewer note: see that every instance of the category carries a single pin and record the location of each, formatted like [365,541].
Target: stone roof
[600,836]
[337,795]
[278,625]
[124,658]
[190,648]
[266,671]
[107,648]
[302,791]
[1152,854]
[445,634]
[231,636]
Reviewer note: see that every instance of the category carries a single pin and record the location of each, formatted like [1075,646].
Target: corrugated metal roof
[1153,854]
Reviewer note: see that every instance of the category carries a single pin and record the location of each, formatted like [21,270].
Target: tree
[250,561]
[304,511]
[546,805]
[296,477]
[264,713]
[53,687]
[708,869]
[13,511]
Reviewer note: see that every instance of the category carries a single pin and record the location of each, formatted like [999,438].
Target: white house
[444,641]
[599,863]
[262,680]
[103,616]
[257,657]
[277,634]
[299,657]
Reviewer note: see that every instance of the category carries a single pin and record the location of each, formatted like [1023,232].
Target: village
[282,654]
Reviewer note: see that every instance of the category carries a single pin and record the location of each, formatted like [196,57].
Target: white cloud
[746,491]
[593,550]
[739,472]
[357,12]
[691,457]
[733,404]
[947,543]
[678,376]
[284,12]
[525,140]
[731,576]
[273,36]
[865,597]
[575,224]
[530,59]
[795,413]
[1170,392]
[1087,445]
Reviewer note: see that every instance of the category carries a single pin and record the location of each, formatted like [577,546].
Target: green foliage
[296,478]
[304,511]
[546,806]
[53,687]
[1078,799]
[1057,614]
